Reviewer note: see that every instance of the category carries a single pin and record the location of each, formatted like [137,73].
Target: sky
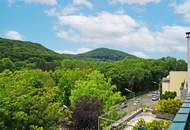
[145,28]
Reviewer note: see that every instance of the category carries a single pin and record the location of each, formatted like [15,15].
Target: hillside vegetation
[106,54]
[35,84]
[22,50]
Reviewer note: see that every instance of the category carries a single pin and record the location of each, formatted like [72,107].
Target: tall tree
[30,100]
[86,112]
[95,84]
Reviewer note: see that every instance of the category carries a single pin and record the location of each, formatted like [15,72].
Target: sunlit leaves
[30,99]
[96,85]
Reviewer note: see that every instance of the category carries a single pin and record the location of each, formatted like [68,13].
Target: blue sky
[146,28]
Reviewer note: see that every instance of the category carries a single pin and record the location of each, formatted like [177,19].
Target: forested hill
[36,82]
[106,54]
[24,50]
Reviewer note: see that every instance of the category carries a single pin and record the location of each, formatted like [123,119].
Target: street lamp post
[131,92]
[99,117]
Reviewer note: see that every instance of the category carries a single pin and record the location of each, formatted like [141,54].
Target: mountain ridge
[106,54]
[21,50]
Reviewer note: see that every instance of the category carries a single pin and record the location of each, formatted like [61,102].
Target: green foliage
[30,100]
[73,64]
[153,125]
[106,54]
[115,113]
[168,95]
[27,54]
[33,99]
[21,50]
[170,106]
[6,63]
[96,85]
[134,74]
[67,82]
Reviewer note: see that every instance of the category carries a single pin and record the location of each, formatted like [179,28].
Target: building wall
[176,78]
[165,86]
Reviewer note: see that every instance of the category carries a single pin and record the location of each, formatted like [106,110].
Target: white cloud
[69,9]
[13,35]
[45,2]
[52,12]
[10,2]
[181,48]
[75,6]
[140,2]
[183,9]
[86,3]
[83,50]
[121,30]
[140,54]
[78,51]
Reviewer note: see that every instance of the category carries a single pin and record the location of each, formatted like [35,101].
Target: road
[144,100]
[133,105]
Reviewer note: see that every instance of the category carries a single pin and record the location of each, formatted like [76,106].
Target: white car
[123,105]
[155,98]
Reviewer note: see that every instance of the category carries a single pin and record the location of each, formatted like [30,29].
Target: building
[182,118]
[176,81]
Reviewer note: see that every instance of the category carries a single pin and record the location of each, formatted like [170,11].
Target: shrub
[168,95]
[154,125]
[170,106]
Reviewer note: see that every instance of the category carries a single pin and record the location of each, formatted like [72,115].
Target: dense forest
[43,90]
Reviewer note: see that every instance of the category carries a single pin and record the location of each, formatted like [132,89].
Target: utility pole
[131,92]
[188,61]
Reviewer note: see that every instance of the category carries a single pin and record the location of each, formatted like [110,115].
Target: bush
[154,125]
[168,95]
[170,106]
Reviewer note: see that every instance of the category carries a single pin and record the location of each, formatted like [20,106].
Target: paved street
[136,103]
[144,100]
[132,105]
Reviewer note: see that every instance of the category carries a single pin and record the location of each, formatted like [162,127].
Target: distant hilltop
[15,49]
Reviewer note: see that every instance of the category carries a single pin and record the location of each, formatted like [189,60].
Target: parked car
[122,105]
[136,102]
[154,92]
[155,97]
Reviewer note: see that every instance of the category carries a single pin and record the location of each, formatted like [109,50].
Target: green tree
[95,84]
[30,100]
[67,83]
[6,63]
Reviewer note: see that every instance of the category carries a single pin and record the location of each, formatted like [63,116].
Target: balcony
[182,118]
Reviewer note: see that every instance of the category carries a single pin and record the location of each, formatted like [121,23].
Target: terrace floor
[147,116]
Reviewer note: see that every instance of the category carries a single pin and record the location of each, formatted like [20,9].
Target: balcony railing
[182,118]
